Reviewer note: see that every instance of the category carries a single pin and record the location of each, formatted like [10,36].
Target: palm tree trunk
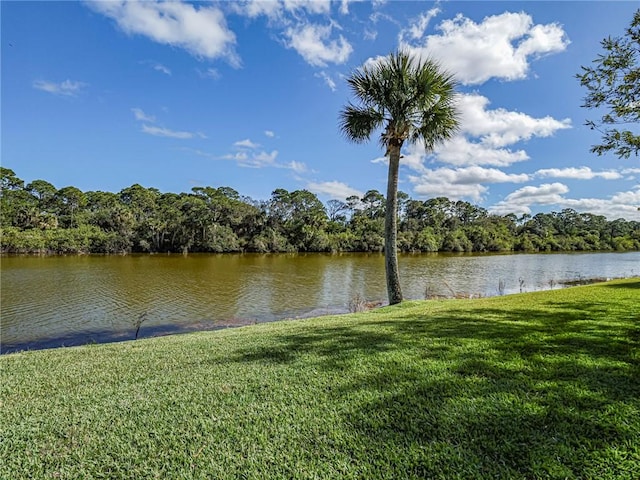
[391,228]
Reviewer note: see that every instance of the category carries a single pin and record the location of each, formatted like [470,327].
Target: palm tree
[413,100]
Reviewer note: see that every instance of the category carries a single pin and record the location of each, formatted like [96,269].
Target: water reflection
[71,300]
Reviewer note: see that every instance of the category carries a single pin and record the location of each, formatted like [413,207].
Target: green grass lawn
[537,385]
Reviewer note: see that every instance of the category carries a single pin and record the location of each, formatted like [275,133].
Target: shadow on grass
[626,285]
[544,391]
[105,336]
[333,346]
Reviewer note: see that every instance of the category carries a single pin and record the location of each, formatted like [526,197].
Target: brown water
[53,301]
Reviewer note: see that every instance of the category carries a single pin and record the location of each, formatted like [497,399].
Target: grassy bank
[539,385]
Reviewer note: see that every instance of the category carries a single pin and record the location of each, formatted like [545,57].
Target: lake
[56,300]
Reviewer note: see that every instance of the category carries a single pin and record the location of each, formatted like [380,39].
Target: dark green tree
[613,86]
[42,190]
[37,218]
[336,210]
[70,200]
[300,217]
[412,100]
[9,180]
[374,204]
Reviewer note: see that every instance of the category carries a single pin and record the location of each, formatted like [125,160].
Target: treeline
[39,218]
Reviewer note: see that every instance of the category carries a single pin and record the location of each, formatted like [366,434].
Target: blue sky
[102,95]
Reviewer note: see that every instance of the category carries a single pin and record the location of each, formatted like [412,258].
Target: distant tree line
[39,218]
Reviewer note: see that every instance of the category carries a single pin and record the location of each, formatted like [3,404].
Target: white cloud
[334,189]
[158,67]
[615,207]
[298,167]
[344,7]
[543,39]
[459,151]
[472,175]
[461,182]
[158,131]
[631,172]
[276,9]
[316,43]
[451,191]
[521,200]
[203,31]
[165,132]
[545,194]
[630,198]
[498,47]
[143,117]
[246,143]
[311,6]
[619,205]
[211,73]
[248,154]
[239,156]
[414,156]
[255,8]
[485,136]
[68,88]
[312,42]
[501,127]
[370,34]
[416,30]
[161,68]
[250,159]
[266,158]
[578,173]
[502,208]
[327,80]
[371,62]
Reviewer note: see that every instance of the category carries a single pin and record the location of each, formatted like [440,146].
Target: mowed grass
[538,385]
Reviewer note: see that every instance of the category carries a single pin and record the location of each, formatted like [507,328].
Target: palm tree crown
[412,100]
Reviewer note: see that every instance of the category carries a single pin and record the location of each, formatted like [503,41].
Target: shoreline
[105,336]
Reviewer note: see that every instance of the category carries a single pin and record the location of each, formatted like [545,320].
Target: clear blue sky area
[103,95]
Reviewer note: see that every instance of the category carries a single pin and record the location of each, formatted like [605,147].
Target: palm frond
[367,85]
[357,124]
[414,99]
[438,124]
